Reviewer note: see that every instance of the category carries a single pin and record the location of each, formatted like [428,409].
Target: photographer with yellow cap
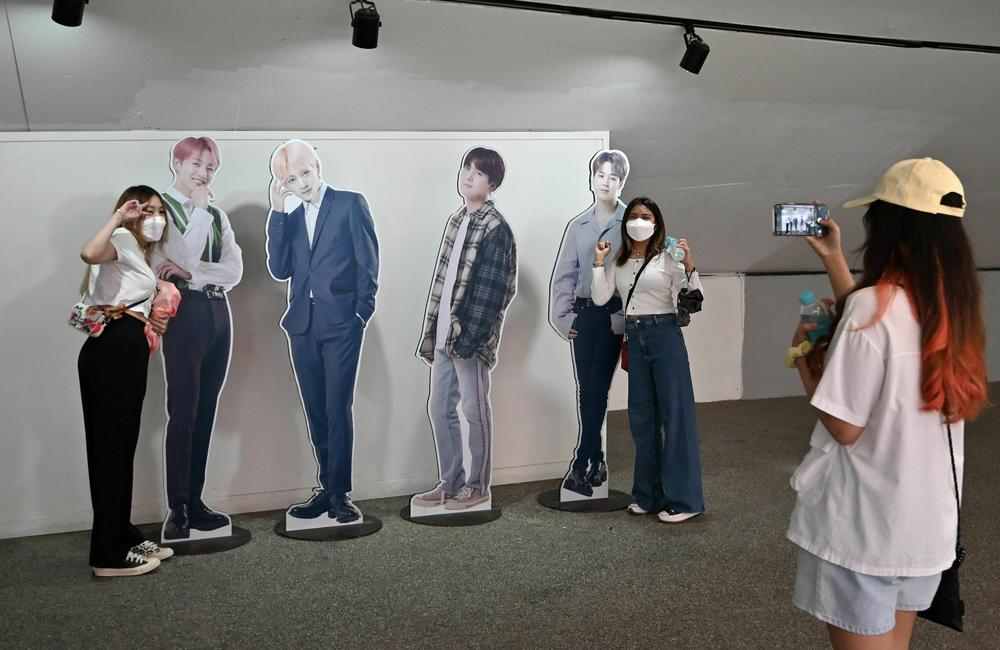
[876,515]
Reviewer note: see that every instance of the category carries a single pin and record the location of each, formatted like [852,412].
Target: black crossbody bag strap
[137,302]
[959,551]
[632,289]
[635,282]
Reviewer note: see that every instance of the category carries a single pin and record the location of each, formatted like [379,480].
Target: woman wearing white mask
[112,370]
[661,408]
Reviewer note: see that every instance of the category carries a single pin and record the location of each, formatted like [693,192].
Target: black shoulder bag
[947,608]
[688,302]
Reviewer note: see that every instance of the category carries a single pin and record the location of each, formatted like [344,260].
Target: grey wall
[771,314]
[767,119]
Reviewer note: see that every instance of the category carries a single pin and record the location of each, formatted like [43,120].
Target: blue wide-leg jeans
[661,415]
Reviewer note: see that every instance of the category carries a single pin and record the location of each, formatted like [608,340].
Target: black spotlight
[68,12]
[696,53]
[365,22]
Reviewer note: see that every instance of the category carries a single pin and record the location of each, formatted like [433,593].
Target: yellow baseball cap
[918,184]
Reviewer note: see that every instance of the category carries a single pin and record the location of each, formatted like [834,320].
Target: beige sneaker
[436,497]
[466,498]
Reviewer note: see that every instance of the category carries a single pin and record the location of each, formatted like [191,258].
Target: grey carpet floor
[535,578]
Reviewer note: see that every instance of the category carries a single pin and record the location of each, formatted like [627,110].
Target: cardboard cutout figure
[326,248]
[594,332]
[474,281]
[201,257]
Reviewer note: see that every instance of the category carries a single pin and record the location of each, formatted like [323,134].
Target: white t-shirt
[448,288]
[656,289]
[885,504]
[124,280]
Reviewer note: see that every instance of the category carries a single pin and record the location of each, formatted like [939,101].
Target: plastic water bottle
[814,311]
[674,251]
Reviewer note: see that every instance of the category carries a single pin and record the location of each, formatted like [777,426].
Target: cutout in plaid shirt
[486,283]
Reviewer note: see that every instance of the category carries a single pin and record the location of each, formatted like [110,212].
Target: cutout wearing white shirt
[186,250]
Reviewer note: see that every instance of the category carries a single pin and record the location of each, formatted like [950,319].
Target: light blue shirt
[571,278]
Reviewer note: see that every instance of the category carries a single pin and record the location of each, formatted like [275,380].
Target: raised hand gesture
[601,252]
[130,211]
[278,194]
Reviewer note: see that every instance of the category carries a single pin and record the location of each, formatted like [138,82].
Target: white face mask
[639,229]
[152,228]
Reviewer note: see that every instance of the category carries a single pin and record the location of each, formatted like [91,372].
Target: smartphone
[800,219]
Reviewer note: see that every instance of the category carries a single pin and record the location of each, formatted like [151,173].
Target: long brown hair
[656,242]
[929,256]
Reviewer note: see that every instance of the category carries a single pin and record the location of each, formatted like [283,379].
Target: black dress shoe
[317,504]
[343,510]
[597,474]
[204,518]
[178,524]
[576,482]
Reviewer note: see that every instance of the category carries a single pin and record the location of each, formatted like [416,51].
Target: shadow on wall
[260,414]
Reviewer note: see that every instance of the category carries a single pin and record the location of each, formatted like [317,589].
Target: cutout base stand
[216,544]
[615,500]
[369,526]
[461,518]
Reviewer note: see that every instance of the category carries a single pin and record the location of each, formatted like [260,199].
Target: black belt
[211,292]
[613,305]
[651,319]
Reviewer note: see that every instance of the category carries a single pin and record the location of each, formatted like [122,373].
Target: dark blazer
[341,268]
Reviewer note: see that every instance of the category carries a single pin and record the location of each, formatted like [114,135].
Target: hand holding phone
[800,219]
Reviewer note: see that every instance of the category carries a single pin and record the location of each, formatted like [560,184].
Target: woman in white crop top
[661,412]
[112,370]
[876,512]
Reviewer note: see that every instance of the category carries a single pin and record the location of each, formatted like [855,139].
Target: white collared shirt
[186,250]
[885,504]
[656,290]
[125,280]
[312,213]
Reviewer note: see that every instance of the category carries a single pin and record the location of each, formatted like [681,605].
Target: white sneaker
[436,497]
[674,516]
[132,565]
[637,510]
[150,549]
[466,498]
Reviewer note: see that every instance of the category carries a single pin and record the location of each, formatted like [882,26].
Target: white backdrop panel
[57,188]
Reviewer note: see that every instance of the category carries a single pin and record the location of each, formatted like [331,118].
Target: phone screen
[799,219]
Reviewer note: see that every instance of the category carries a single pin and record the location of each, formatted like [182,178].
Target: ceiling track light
[696,52]
[68,12]
[657,19]
[365,21]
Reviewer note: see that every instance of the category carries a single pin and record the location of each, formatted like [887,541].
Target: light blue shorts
[858,602]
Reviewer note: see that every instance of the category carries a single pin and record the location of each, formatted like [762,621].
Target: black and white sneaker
[150,549]
[669,516]
[132,565]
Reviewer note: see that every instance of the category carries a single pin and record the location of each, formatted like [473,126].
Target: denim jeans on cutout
[595,356]
[461,382]
[661,416]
